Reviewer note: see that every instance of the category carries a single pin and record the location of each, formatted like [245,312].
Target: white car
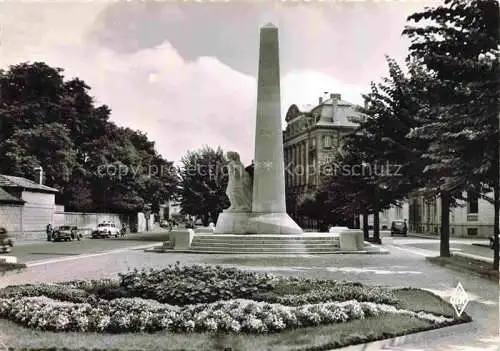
[106,230]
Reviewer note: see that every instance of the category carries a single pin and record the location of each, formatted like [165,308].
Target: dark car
[399,228]
[65,233]
[5,241]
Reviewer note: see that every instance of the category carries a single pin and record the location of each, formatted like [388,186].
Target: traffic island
[213,307]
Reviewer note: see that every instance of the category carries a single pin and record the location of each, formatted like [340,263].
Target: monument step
[260,242]
[267,239]
[263,244]
[306,236]
[262,249]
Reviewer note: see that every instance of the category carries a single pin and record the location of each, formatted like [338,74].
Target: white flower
[103,323]
[189,326]
[235,326]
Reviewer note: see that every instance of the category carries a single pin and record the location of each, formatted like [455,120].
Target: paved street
[32,252]
[404,266]
[431,246]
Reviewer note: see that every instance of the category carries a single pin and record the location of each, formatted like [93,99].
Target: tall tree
[97,165]
[459,46]
[203,183]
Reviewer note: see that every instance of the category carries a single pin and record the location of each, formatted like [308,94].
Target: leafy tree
[47,121]
[460,119]
[49,147]
[203,183]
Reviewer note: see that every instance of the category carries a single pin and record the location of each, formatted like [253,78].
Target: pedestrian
[405,228]
[49,231]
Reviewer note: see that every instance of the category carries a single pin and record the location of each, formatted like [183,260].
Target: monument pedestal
[232,222]
[272,223]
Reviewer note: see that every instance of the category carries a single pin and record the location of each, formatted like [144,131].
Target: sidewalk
[478,241]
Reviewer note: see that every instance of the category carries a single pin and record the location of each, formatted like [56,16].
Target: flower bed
[197,299]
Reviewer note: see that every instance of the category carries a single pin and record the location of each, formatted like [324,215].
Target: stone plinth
[8,259]
[232,222]
[272,223]
[182,238]
[351,240]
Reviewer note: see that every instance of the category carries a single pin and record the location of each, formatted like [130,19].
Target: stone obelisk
[268,204]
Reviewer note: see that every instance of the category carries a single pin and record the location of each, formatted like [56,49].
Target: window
[327,141]
[399,212]
[472,231]
[473,205]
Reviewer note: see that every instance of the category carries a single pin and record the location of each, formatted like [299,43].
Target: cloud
[182,86]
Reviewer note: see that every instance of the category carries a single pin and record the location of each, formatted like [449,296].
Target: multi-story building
[472,218]
[312,136]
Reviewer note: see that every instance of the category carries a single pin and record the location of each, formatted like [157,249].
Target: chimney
[366,105]
[320,100]
[335,96]
[40,175]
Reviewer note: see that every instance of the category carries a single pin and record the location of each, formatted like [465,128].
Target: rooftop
[5,197]
[7,181]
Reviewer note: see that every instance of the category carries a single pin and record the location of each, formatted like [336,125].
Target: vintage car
[399,228]
[106,230]
[65,233]
[5,242]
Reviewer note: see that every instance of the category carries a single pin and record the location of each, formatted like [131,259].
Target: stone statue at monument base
[234,220]
[239,185]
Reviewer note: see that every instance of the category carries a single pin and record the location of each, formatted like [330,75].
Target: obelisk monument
[268,203]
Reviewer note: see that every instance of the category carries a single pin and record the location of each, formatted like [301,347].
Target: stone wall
[11,217]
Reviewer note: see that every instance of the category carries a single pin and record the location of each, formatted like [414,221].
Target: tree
[379,166]
[96,165]
[49,147]
[203,183]
[460,121]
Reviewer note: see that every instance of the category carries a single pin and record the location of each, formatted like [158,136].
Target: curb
[481,245]
[159,249]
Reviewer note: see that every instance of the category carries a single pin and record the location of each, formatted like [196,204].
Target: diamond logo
[459,299]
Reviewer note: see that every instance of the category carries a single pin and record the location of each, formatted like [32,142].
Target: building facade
[472,218]
[312,137]
[35,207]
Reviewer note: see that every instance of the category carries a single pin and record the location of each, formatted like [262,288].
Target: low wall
[85,220]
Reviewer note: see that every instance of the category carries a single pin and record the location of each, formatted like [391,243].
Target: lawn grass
[318,338]
[482,269]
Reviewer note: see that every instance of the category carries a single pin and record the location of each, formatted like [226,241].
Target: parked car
[399,228]
[5,242]
[106,230]
[164,223]
[65,233]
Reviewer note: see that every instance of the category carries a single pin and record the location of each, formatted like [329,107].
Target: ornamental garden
[203,305]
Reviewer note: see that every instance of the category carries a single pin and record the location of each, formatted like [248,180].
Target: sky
[185,72]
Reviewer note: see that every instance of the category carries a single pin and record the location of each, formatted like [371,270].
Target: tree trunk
[496,229]
[445,225]
[376,227]
[376,218]
[365,225]
[496,192]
